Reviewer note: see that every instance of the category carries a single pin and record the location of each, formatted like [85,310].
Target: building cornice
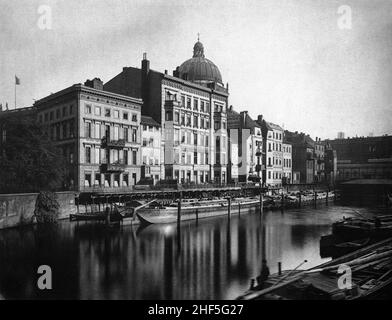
[79,88]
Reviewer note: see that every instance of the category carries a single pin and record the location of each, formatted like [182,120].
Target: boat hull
[170,214]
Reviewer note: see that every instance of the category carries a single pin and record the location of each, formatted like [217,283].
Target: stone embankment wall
[18,209]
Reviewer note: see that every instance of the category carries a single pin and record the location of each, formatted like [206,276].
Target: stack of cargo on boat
[370,272]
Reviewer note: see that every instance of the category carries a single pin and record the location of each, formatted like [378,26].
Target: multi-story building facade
[99,133]
[244,148]
[302,156]
[319,153]
[287,162]
[151,164]
[363,157]
[273,157]
[191,107]
[330,161]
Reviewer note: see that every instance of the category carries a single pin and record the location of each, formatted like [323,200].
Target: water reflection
[209,259]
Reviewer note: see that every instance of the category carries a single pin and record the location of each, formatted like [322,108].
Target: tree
[29,161]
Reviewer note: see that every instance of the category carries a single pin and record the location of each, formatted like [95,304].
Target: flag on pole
[17,80]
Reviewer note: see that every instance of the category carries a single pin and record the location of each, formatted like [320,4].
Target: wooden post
[77,207]
[300,199]
[179,210]
[92,204]
[279,268]
[229,208]
[315,198]
[239,207]
[326,199]
[107,202]
[197,215]
[282,200]
[261,203]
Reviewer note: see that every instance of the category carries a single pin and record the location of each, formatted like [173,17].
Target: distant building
[191,107]
[273,157]
[340,135]
[99,133]
[319,153]
[363,157]
[287,162]
[303,153]
[330,164]
[151,164]
[245,147]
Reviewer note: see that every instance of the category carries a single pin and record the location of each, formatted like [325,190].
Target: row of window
[57,114]
[97,155]
[150,161]
[278,162]
[187,157]
[150,128]
[99,130]
[109,179]
[62,130]
[275,175]
[186,102]
[187,137]
[184,176]
[287,163]
[108,112]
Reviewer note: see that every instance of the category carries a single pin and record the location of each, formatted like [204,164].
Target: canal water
[213,258]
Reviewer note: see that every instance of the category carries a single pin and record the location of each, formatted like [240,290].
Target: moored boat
[196,209]
[359,228]
[371,276]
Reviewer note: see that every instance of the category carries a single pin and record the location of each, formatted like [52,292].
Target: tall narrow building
[245,147]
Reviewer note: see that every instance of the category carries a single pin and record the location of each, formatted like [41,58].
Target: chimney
[260,118]
[166,72]
[96,83]
[145,65]
[144,77]
[176,73]
[231,108]
[243,117]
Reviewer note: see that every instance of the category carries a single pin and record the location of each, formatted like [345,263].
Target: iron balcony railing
[107,142]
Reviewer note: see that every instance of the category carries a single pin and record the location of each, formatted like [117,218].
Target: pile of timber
[371,277]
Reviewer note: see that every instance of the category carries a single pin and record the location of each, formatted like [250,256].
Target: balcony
[106,142]
[259,152]
[118,166]
[169,104]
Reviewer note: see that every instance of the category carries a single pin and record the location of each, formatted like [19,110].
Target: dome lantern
[199,69]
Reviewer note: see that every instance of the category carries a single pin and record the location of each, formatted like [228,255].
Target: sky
[300,63]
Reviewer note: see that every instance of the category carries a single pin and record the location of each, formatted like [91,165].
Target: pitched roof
[234,121]
[148,121]
[274,126]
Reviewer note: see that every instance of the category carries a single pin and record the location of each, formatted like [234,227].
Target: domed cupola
[199,69]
